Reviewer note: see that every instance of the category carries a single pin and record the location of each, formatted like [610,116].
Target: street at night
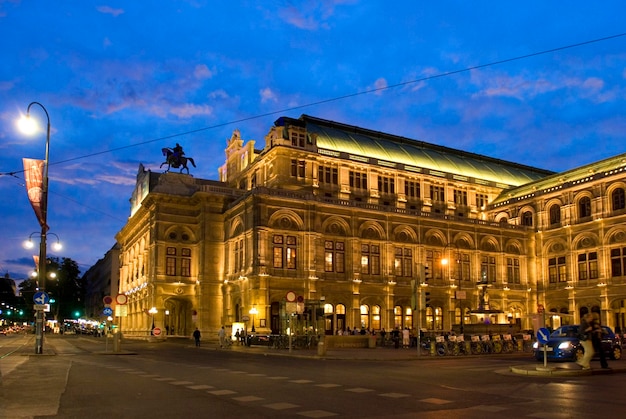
[83,378]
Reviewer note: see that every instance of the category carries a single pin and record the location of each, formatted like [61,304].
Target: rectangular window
[618,262]
[481,200]
[437,193]
[358,180]
[403,262]
[433,261]
[185,267]
[488,269]
[170,261]
[386,185]
[412,189]
[460,197]
[298,168]
[328,175]
[512,271]
[284,252]
[334,257]
[370,259]
[557,270]
[297,139]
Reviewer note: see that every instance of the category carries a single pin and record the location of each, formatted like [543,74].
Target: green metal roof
[362,142]
[593,171]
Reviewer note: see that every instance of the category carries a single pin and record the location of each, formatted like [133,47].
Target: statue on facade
[175,157]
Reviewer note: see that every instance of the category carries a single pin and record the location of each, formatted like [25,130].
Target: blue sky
[118,74]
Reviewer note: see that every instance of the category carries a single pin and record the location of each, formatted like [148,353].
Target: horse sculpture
[175,160]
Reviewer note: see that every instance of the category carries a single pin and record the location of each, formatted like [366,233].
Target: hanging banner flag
[33,172]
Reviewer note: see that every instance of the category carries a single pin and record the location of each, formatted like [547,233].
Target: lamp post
[446,262]
[29,126]
[253,311]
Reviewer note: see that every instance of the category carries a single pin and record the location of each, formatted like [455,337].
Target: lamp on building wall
[29,126]
[457,293]
[253,312]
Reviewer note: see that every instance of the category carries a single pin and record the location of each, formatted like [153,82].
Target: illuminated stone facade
[354,222]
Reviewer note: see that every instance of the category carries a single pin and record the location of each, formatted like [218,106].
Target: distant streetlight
[29,126]
[253,312]
[153,311]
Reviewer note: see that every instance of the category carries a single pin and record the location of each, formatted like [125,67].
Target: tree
[66,288]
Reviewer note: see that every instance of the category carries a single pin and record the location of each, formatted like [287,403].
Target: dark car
[564,345]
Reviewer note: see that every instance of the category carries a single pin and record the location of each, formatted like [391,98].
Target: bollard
[321,348]
[117,341]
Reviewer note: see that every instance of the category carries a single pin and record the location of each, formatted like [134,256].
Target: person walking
[585,335]
[196,336]
[221,335]
[596,339]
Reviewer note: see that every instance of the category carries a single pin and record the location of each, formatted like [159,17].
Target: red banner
[33,172]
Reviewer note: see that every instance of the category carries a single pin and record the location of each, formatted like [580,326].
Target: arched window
[397,316]
[408,317]
[527,219]
[555,214]
[584,207]
[365,316]
[618,199]
[375,317]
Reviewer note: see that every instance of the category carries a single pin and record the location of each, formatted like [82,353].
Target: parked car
[564,345]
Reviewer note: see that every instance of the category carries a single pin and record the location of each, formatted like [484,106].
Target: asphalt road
[175,379]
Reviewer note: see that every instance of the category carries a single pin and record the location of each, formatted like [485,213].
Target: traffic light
[424,274]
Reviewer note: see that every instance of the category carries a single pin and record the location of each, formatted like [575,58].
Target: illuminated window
[334,256]
[365,317]
[403,262]
[375,317]
[370,259]
[284,252]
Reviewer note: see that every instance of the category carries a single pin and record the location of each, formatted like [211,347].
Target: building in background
[102,280]
[331,226]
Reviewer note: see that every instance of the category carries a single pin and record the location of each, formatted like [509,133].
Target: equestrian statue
[175,157]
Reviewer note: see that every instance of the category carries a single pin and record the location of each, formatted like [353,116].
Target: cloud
[110,11]
[380,85]
[190,110]
[202,72]
[267,95]
[311,15]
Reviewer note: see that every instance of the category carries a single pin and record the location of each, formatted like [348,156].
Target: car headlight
[566,345]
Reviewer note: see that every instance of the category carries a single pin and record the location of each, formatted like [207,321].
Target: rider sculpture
[175,157]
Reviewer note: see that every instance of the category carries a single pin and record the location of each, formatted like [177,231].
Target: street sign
[121,299]
[156,331]
[107,311]
[107,300]
[41,298]
[543,335]
[291,296]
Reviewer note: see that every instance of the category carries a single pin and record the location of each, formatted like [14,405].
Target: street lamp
[253,311]
[447,262]
[56,246]
[153,311]
[29,126]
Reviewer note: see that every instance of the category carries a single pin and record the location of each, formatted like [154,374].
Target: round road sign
[291,296]
[121,299]
[156,331]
